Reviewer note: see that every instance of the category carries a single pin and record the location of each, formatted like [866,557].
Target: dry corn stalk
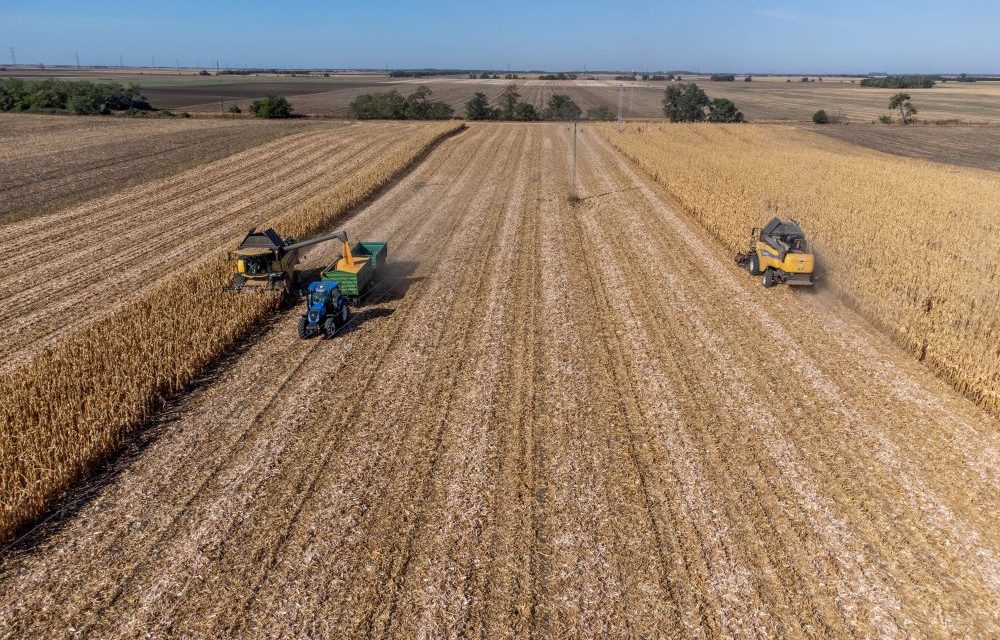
[77,403]
[911,244]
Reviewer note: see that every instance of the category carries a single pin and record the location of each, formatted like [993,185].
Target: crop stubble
[77,401]
[555,426]
[50,162]
[909,243]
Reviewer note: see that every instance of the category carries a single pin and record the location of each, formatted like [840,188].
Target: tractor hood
[316,311]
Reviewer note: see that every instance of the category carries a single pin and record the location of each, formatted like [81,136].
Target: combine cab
[779,253]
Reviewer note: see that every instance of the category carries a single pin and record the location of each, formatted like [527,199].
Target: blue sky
[721,35]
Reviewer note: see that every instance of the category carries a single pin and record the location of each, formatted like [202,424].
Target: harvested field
[970,146]
[80,263]
[552,421]
[798,101]
[913,245]
[47,162]
[77,401]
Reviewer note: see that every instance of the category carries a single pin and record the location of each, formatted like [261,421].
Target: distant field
[52,161]
[969,146]
[764,99]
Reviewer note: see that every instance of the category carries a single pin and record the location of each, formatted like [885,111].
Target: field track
[552,421]
[77,264]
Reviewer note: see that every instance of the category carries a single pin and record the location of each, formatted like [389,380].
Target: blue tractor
[326,310]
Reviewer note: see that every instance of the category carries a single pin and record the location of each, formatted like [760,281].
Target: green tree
[508,100]
[602,112]
[417,104]
[685,102]
[271,107]
[901,101]
[722,110]
[561,107]
[524,111]
[820,117]
[478,108]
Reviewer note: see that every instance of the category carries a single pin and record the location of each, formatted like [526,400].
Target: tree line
[391,105]
[900,82]
[80,97]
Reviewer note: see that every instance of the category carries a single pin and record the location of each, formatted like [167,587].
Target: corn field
[910,244]
[78,401]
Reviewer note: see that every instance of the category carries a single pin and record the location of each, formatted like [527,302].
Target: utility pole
[152,59]
[178,64]
[13,58]
[77,59]
[121,61]
[575,196]
[621,99]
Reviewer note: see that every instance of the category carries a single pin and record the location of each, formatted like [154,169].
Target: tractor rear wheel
[753,266]
[768,278]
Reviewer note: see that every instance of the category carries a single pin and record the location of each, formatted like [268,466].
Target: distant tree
[602,112]
[385,106]
[820,117]
[685,102]
[478,108]
[561,107]
[508,100]
[391,105]
[722,77]
[749,78]
[204,73]
[525,112]
[722,110]
[271,107]
[964,77]
[901,101]
[235,109]
[885,119]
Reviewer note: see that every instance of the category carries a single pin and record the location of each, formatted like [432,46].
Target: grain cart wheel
[753,266]
[303,327]
[330,327]
[768,278]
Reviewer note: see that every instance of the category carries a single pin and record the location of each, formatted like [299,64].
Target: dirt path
[552,421]
[75,265]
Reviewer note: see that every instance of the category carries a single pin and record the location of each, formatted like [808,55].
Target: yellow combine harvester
[265,261]
[779,253]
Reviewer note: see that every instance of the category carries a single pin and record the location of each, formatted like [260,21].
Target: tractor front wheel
[753,266]
[768,278]
[330,327]
[303,327]
[343,316]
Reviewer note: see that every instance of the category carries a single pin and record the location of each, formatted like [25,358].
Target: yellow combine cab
[779,253]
